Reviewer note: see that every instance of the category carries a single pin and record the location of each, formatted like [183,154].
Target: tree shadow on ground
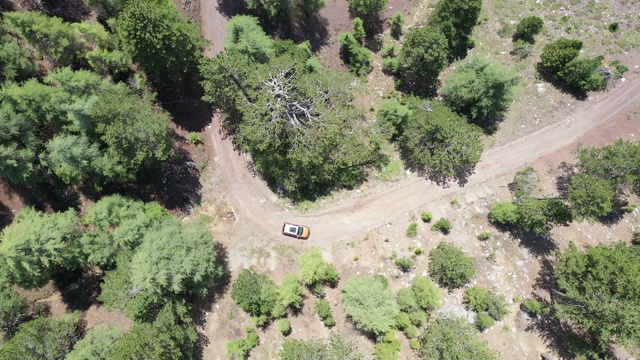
[183,102]
[79,289]
[7,5]
[69,10]
[230,8]
[564,178]
[461,177]
[202,307]
[538,245]
[559,84]
[314,28]
[6,216]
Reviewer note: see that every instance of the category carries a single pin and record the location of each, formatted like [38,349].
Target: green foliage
[314,270]
[485,235]
[450,267]
[42,338]
[412,230]
[106,8]
[388,347]
[422,56]
[173,50]
[404,264]
[116,287]
[456,20]
[414,344]
[358,30]
[412,331]
[426,216]
[600,286]
[117,224]
[523,184]
[407,302]
[555,55]
[403,321]
[522,49]
[369,9]
[396,22]
[284,326]
[164,339]
[358,58]
[443,225]
[323,309]
[582,74]
[393,115]
[245,35]
[96,344]
[36,245]
[327,141]
[618,162]
[71,157]
[535,307]
[540,216]
[257,294]
[238,349]
[266,9]
[476,298]
[527,28]
[427,294]
[291,296]
[614,27]
[195,138]
[15,61]
[480,89]
[390,66]
[503,213]
[50,36]
[338,348]
[452,338]
[135,133]
[388,51]
[370,304]
[591,197]
[105,62]
[176,257]
[440,142]
[12,308]
[484,321]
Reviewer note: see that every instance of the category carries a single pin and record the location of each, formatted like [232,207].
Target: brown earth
[359,231]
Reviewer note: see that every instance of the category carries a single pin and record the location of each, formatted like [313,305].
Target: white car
[296,231]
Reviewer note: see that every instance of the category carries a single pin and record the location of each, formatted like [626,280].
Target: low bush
[414,344]
[387,347]
[411,331]
[535,307]
[443,225]
[396,22]
[449,266]
[412,230]
[484,321]
[485,235]
[323,309]
[404,264]
[426,216]
[284,326]
[503,213]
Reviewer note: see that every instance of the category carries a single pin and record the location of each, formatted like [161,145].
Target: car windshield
[300,231]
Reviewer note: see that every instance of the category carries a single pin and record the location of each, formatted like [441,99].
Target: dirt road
[258,214]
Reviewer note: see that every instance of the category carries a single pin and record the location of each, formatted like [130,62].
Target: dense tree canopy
[337,348]
[480,89]
[299,126]
[591,197]
[368,9]
[12,308]
[453,338]
[96,344]
[599,291]
[527,28]
[36,245]
[456,20]
[449,266]
[245,36]
[257,294]
[155,35]
[555,55]
[42,338]
[423,56]
[370,303]
[438,141]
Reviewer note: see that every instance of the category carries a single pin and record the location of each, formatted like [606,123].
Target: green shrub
[582,74]
[389,51]
[427,295]
[614,27]
[403,320]
[476,298]
[535,307]
[418,318]
[358,58]
[497,308]
[414,344]
[396,22]
[237,349]
[426,216]
[392,116]
[358,29]
[404,264]
[528,27]
[412,230]
[449,266]
[411,331]
[485,235]
[504,213]
[194,138]
[484,321]
[323,309]
[522,49]
[443,225]
[284,326]
[313,65]
[418,251]
[388,347]
[390,66]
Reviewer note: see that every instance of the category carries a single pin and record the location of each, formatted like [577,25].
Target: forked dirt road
[256,206]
